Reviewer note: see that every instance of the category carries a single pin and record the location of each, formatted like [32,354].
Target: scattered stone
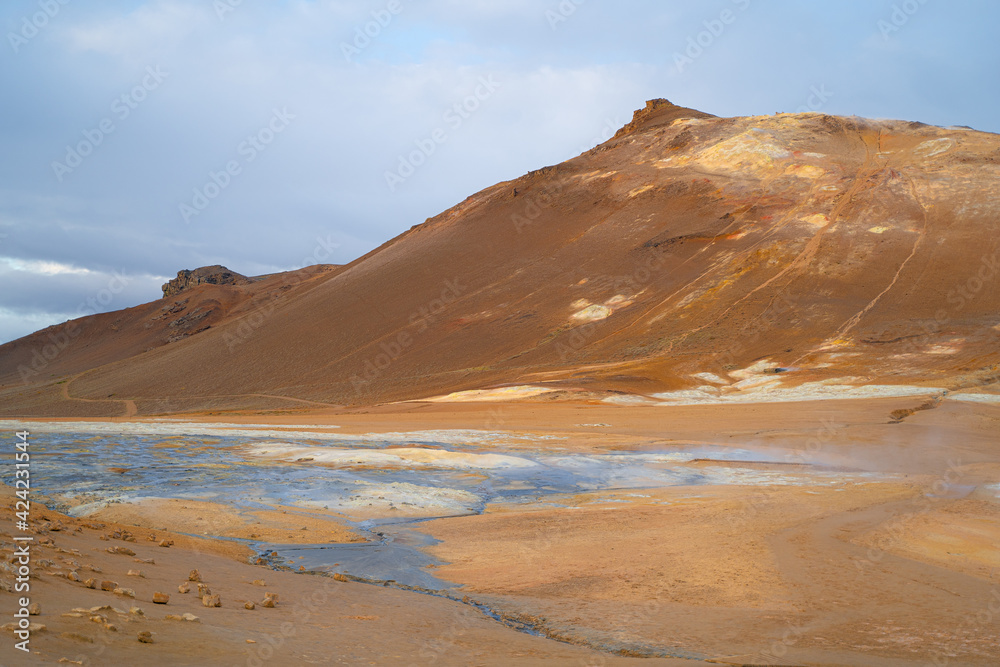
[94,568]
[146,637]
[136,611]
[339,577]
[147,561]
[259,582]
[104,538]
[194,576]
[136,573]
[211,601]
[121,551]
[249,605]
[32,627]
[184,588]
[108,585]
[251,641]
[73,576]
[35,609]
[270,600]
[166,543]
[125,592]
[160,598]
[90,583]
[204,590]
[111,627]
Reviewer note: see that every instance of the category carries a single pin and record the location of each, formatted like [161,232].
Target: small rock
[147,561]
[190,617]
[108,585]
[270,600]
[136,573]
[73,576]
[339,577]
[249,605]
[90,583]
[35,609]
[166,543]
[125,592]
[146,637]
[111,627]
[184,588]
[259,582]
[194,576]
[211,601]
[32,627]
[160,598]
[136,611]
[204,590]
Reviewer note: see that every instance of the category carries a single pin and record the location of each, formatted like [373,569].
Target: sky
[140,138]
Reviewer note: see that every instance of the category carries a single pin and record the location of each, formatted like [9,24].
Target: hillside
[688,258]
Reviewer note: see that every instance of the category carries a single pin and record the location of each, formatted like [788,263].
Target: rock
[125,592]
[32,627]
[35,609]
[136,573]
[184,588]
[73,576]
[108,585]
[166,543]
[211,601]
[160,598]
[194,576]
[204,590]
[136,611]
[259,582]
[147,561]
[249,605]
[111,627]
[212,275]
[146,637]
[270,600]
[339,577]
[90,583]
[182,617]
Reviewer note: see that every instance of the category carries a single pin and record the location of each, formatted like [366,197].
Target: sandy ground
[896,568]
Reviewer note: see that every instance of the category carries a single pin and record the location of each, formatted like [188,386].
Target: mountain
[690,257]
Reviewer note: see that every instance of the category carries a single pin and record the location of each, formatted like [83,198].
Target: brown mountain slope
[844,250]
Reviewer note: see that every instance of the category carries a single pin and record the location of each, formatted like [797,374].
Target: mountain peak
[656,113]
[212,275]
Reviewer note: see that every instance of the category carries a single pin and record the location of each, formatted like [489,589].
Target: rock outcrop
[211,275]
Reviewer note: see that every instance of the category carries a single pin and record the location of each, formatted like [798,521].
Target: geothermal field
[719,390]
